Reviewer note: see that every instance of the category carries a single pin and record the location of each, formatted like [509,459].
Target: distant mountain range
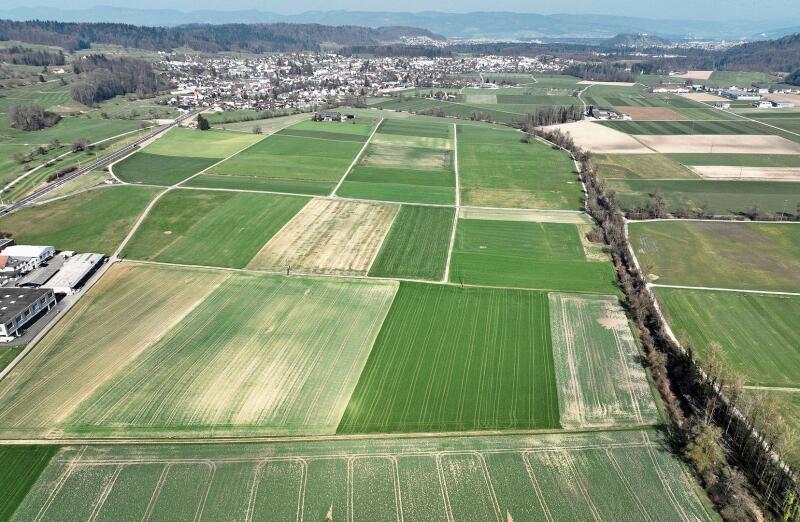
[479,25]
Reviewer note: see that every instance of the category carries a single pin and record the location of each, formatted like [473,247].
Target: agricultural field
[758,332]
[126,311]
[179,154]
[600,379]
[93,221]
[547,256]
[497,169]
[751,256]
[408,161]
[416,245]
[640,166]
[502,113]
[305,158]
[328,237]
[621,474]
[246,361]
[455,359]
[20,467]
[738,160]
[213,228]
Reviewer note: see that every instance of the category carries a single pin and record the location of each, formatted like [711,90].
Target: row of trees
[31,117]
[601,72]
[727,436]
[551,115]
[101,78]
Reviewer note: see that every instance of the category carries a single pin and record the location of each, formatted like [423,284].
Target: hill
[781,55]
[206,38]
[636,41]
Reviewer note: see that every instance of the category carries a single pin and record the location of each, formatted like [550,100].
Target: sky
[675,9]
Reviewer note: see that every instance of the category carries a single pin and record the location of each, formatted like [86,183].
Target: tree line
[731,439]
[18,55]
[101,78]
[31,117]
[601,72]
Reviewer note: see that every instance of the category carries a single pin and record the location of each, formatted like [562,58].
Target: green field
[416,246]
[752,256]
[640,166]
[20,467]
[739,78]
[722,197]
[93,221]
[180,154]
[211,228]
[303,161]
[617,475]
[503,113]
[261,184]
[247,361]
[738,160]
[788,403]
[689,127]
[546,256]
[758,332]
[407,161]
[601,381]
[452,359]
[497,170]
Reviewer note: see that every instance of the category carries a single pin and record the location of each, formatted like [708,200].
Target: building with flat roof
[39,254]
[75,271]
[19,306]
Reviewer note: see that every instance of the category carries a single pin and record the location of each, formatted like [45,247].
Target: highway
[33,196]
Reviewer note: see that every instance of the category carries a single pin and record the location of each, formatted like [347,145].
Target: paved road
[99,163]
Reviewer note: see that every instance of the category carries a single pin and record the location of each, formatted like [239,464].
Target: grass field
[304,158]
[738,160]
[752,256]
[407,161]
[546,256]
[128,309]
[452,359]
[498,170]
[723,197]
[758,333]
[211,228]
[416,245]
[640,166]
[93,221]
[179,154]
[688,127]
[600,380]
[20,467]
[328,237]
[623,474]
[247,361]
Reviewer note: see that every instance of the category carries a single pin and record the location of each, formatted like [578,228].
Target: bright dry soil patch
[261,355]
[329,237]
[601,139]
[760,173]
[127,311]
[600,381]
[718,144]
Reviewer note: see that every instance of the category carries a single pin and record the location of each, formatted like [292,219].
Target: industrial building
[74,273]
[19,306]
[39,254]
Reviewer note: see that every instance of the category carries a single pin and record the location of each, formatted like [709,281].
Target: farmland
[245,362]
[758,332]
[498,170]
[179,154]
[494,478]
[600,381]
[753,256]
[453,359]
[183,225]
[304,158]
[416,245]
[527,255]
[73,224]
[20,467]
[640,166]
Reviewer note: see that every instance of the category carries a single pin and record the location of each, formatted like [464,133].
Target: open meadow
[179,154]
[455,359]
[750,256]
[548,256]
[211,228]
[532,477]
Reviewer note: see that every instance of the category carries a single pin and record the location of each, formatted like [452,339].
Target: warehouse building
[20,306]
[74,273]
[39,254]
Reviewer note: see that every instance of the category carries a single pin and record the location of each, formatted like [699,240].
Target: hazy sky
[679,9]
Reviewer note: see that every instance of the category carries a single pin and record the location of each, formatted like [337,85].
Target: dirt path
[458,205]
[357,158]
[715,289]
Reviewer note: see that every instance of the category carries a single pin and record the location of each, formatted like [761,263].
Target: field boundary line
[654,220]
[105,492]
[138,223]
[715,289]
[357,158]
[446,276]
[782,389]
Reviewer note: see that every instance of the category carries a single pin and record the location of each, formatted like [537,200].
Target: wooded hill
[205,38]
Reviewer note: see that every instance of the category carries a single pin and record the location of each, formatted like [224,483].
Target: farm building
[76,270]
[327,116]
[18,306]
[782,104]
[740,95]
[39,254]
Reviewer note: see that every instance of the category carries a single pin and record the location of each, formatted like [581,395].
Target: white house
[39,254]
